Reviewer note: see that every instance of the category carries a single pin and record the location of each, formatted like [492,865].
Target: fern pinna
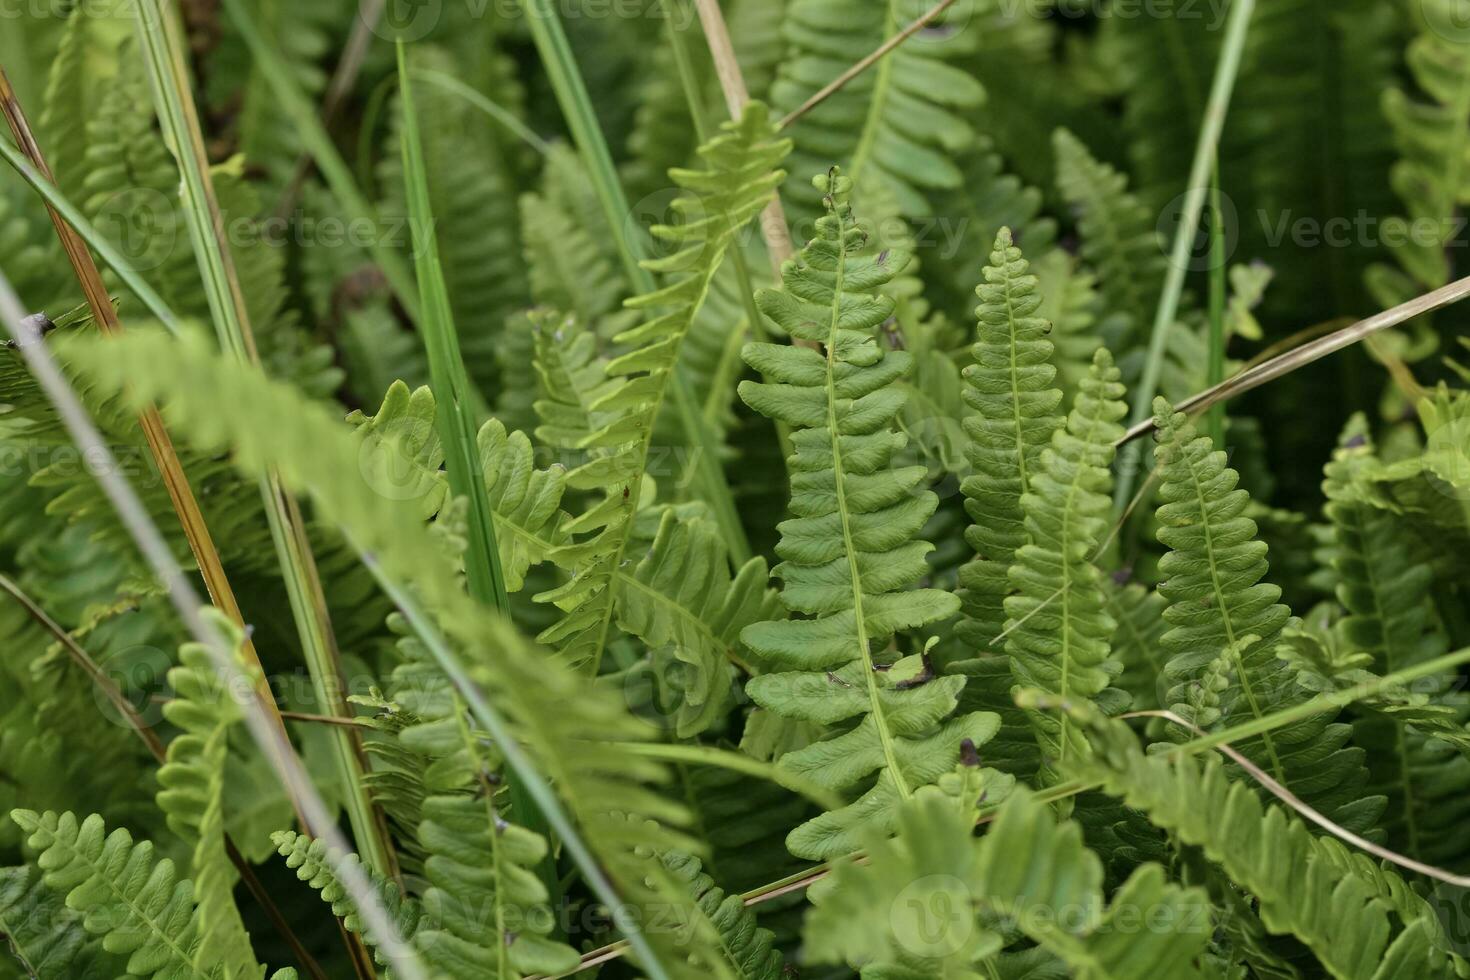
[851,551]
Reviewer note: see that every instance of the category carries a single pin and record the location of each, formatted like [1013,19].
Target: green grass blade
[267,733]
[446,365]
[338,175]
[162,48]
[1205,148]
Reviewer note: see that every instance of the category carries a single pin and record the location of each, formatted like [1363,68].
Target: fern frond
[1120,239]
[402,455]
[740,179]
[852,550]
[45,937]
[1224,617]
[571,729]
[988,199]
[681,598]
[749,949]
[135,901]
[928,900]
[484,894]
[192,782]
[311,861]
[1060,629]
[1340,903]
[1010,388]
[567,269]
[1138,641]
[86,60]
[1431,177]
[1383,582]
[895,126]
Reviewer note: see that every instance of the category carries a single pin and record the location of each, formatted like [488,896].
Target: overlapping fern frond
[1120,239]
[1225,623]
[1060,627]
[1383,581]
[898,125]
[851,550]
[681,600]
[1360,919]
[1010,388]
[46,937]
[1433,140]
[192,782]
[613,419]
[402,456]
[573,729]
[136,901]
[935,902]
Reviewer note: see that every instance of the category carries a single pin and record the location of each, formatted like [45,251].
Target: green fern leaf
[1119,233]
[896,126]
[851,551]
[681,598]
[1060,629]
[567,269]
[1383,581]
[740,179]
[402,456]
[925,900]
[490,906]
[1010,388]
[1225,619]
[45,937]
[192,782]
[749,950]
[136,902]
[1338,902]
[310,859]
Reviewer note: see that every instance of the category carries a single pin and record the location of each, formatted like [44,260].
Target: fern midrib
[1236,652]
[877,102]
[860,626]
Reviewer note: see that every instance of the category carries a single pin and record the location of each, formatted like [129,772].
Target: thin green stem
[162,47]
[1205,150]
[450,380]
[338,175]
[1215,418]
